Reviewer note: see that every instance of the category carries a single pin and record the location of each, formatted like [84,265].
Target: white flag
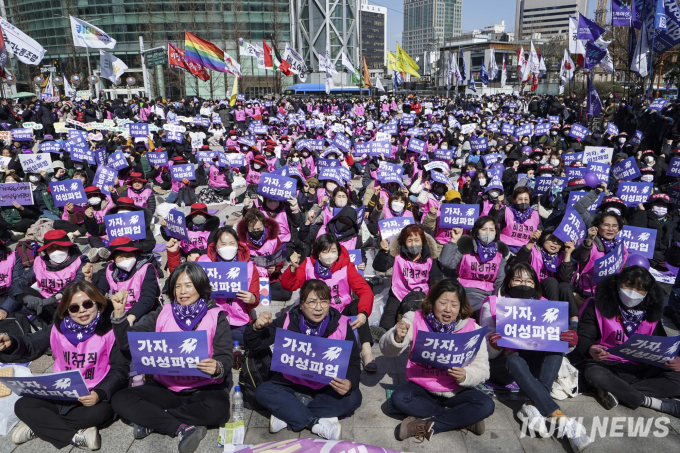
[49,88]
[504,74]
[248,50]
[87,35]
[111,67]
[379,85]
[456,70]
[576,46]
[534,62]
[568,67]
[541,67]
[297,63]
[493,67]
[69,91]
[231,65]
[25,48]
[329,82]
[607,63]
[639,63]
[348,64]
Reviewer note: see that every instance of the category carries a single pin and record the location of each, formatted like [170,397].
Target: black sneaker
[141,432]
[670,406]
[190,437]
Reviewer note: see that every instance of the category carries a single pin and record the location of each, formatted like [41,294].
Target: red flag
[4,55]
[534,84]
[283,65]
[268,63]
[176,60]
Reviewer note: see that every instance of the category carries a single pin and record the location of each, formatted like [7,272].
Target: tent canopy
[23,94]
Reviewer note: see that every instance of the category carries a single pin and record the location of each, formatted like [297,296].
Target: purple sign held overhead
[658,104]
[226,279]
[578,131]
[19,192]
[609,264]
[356,259]
[68,191]
[458,216]
[392,227]
[82,155]
[417,146]
[523,130]
[569,158]
[342,142]
[276,187]
[531,324]
[64,386]
[674,167]
[23,134]
[117,161]
[575,172]
[575,196]
[159,158]
[138,129]
[648,349]
[445,351]
[634,193]
[104,178]
[507,129]
[312,358]
[126,224]
[169,353]
[601,171]
[637,138]
[184,171]
[572,228]
[408,119]
[50,147]
[626,169]
[479,143]
[388,170]
[543,129]
[544,183]
[639,240]
[362,149]
[378,148]
[443,154]
[177,226]
[612,129]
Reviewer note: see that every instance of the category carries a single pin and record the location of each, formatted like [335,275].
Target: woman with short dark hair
[517,221]
[82,328]
[180,405]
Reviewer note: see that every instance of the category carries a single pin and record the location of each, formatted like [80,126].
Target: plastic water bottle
[237,404]
[183,204]
[238,356]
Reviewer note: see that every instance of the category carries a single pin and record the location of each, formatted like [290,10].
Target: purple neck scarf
[549,261]
[521,217]
[322,271]
[486,252]
[608,245]
[188,316]
[437,326]
[631,319]
[75,333]
[315,330]
[259,242]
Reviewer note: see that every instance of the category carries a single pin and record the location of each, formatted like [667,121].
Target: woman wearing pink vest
[139,191]
[437,400]
[134,271]
[179,406]
[479,260]
[534,371]
[11,280]
[627,303]
[287,215]
[412,256]
[201,226]
[81,338]
[315,317]
[518,220]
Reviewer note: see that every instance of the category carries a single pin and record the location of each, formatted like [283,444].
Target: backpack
[36,232]
[25,251]
[254,371]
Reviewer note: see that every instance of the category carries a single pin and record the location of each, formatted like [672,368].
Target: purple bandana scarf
[259,242]
[437,326]
[550,261]
[486,252]
[322,271]
[75,333]
[631,319]
[608,245]
[309,328]
[188,316]
[521,217]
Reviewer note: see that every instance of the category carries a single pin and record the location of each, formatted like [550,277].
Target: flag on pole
[521,61]
[49,87]
[542,70]
[111,67]
[568,67]
[534,62]
[493,66]
[348,64]
[204,53]
[391,61]
[280,63]
[367,76]
[576,46]
[504,74]
[379,85]
[639,64]
[456,70]
[234,92]
[87,35]
[329,82]
[462,73]
[563,81]
[4,54]
[471,83]
[69,91]
[268,60]
[660,16]
[398,79]
[483,75]
[231,65]
[405,63]
[594,104]
[449,73]
[588,29]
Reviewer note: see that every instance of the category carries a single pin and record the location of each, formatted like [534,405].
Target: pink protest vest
[91,356]
[253,176]
[409,276]
[311,166]
[429,378]
[339,334]
[359,110]
[217,178]
[267,248]
[271,163]
[76,209]
[140,199]
[341,294]
[199,239]
[614,334]
[240,115]
[587,272]
[327,216]
[162,171]
[6,267]
[385,107]
[235,309]
[486,207]
[51,282]
[539,266]
[282,219]
[133,285]
[473,274]
[517,234]
[166,323]
[388,214]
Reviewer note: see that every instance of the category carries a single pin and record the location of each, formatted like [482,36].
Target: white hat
[58,164]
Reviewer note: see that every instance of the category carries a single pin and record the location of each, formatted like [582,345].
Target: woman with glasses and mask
[179,406]
[82,328]
[518,221]
[627,303]
[315,316]
[533,371]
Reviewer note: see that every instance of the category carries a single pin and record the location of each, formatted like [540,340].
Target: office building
[547,17]
[427,23]
[374,36]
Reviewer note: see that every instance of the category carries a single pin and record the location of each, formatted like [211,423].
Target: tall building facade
[374,35]
[427,23]
[547,17]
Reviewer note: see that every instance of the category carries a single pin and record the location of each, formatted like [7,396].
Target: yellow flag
[234,92]
[406,63]
[391,61]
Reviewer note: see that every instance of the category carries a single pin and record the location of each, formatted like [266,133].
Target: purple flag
[126,224]
[660,16]
[627,169]
[648,349]
[593,56]
[392,227]
[276,187]
[531,324]
[634,193]
[64,386]
[594,102]
[226,279]
[588,29]
[572,228]
[312,358]
[636,13]
[621,14]
[177,227]
[458,216]
[444,351]
[169,353]
[103,178]
[184,171]
[16,191]
[609,264]
[639,240]
[68,191]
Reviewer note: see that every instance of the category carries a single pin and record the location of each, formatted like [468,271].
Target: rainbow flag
[202,52]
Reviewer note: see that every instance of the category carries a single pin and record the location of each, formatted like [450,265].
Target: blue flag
[471,83]
[398,79]
[621,14]
[660,16]
[462,73]
[484,75]
[588,29]
[594,102]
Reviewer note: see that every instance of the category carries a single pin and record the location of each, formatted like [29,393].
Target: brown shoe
[478,428]
[415,427]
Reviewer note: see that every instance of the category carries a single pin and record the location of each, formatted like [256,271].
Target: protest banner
[479,144]
[138,129]
[626,169]
[612,130]
[532,324]
[575,196]
[35,163]
[169,353]
[417,146]
[443,154]
[634,193]
[50,147]
[226,279]
[276,187]
[342,142]
[600,154]
[68,191]
[275,258]
[674,167]
[490,159]
[184,171]
[392,227]
[639,240]
[445,351]
[544,183]
[117,161]
[176,225]
[64,386]
[103,178]
[507,129]
[458,216]
[569,158]
[126,224]
[578,131]
[609,264]
[159,158]
[23,134]
[19,192]
[543,129]
[601,171]
[437,165]
[83,155]
[649,349]
[572,228]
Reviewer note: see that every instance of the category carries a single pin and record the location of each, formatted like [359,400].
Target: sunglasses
[75,308]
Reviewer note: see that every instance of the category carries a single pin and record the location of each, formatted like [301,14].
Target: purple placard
[333,174]
[74,133]
[247,140]
[417,146]
[342,142]
[275,258]
[639,240]
[259,130]
[23,134]
[523,130]
[69,191]
[126,224]
[601,171]
[543,183]
[648,349]
[64,386]
[174,136]
[439,177]
[234,160]
[634,193]
[609,264]
[575,172]
[572,228]
[572,157]
[392,227]
[674,167]
[226,279]
[658,104]
[117,161]
[100,156]
[408,119]
[445,351]
[82,154]
[612,129]
[324,163]
[378,148]
[575,196]
[312,145]
[276,187]
[388,170]
[458,216]
[554,119]
[391,129]
[508,129]
[184,171]
[138,129]
[362,149]
[206,157]
[356,258]
[626,169]
[673,193]
[315,359]
[493,127]
[16,191]
[531,324]
[103,178]
[159,158]
[621,14]
[479,144]
[637,138]
[177,226]
[578,131]
[169,353]
[443,154]
[543,129]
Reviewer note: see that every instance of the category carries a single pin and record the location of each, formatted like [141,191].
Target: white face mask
[94,201]
[296,159]
[553,133]
[630,298]
[58,256]
[257,166]
[227,253]
[525,143]
[647,178]
[397,206]
[34,178]
[622,140]
[330,187]
[660,211]
[482,182]
[554,162]
[328,258]
[127,264]
[341,202]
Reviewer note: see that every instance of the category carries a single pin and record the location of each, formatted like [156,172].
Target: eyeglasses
[610,226]
[520,282]
[314,303]
[75,308]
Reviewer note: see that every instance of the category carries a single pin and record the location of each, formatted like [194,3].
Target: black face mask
[521,292]
[256,234]
[439,191]
[522,206]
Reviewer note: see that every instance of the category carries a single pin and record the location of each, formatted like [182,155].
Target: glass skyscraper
[428,22]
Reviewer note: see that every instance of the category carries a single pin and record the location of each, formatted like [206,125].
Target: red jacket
[293,281]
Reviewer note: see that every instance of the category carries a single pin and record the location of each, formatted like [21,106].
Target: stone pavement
[373,425]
